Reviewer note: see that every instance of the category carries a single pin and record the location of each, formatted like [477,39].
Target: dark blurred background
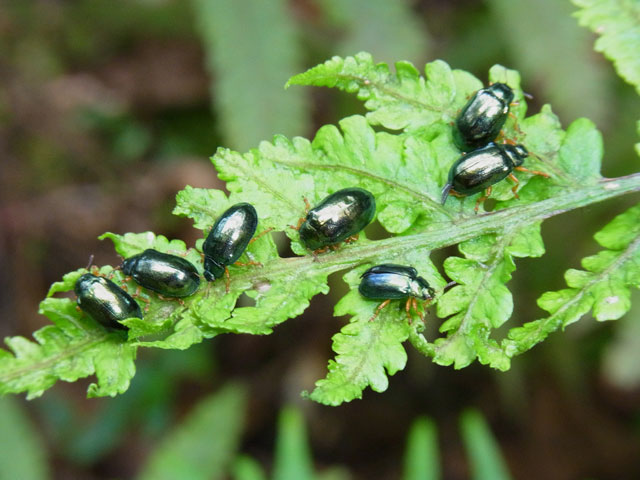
[108,108]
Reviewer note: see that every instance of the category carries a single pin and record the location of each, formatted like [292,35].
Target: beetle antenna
[445,192]
[90,262]
[449,285]
[536,156]
[528,96]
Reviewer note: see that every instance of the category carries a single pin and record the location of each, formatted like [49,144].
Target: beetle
[389,281]
[104,301]
[484,167]
[166,274]
[480,120]
[337,217]
[228,239]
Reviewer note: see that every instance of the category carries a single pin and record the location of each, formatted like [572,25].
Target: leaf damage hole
[245,300]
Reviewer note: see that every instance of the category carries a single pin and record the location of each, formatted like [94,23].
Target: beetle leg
[123,284]
[227,277]
[246,264]
[380,307]
[263,233]
[137,295]
[456,194]
[179,300]
[417,309]
[486,195]
[407,307]
[334,247]
[300,222]
[317,252]
[516,127]
[509,141]
[307,207]
[533,172]
[352,238]
[513,178]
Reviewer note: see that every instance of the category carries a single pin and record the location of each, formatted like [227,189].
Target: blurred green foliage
[484,455]
[22,455]
[421,454]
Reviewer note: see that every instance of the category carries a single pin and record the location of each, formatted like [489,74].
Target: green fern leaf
[604,285]
[400,100]
[405,171]
[618,24]
[389,166]
[368,351]
[72,348]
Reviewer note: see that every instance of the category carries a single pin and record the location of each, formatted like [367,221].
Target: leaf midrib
[52,360]
[437,235]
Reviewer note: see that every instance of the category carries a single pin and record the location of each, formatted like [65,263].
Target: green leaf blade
[22,455]
[203,445]
[603,287]
[422,453]
[251,50]
[483,451]
[404,100]
[292,459]
[74,347]
[367,351]
[618,24]
[389,30]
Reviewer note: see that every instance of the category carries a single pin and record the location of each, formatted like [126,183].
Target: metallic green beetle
[389,281]
[480,120]
[166,274]
[339,216]
[484,167]
[104,301]
[228,239]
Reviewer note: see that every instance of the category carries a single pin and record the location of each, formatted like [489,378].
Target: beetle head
[129,264]
[212,269]
[422,290]
[502,91]
[516,153]
[521,154]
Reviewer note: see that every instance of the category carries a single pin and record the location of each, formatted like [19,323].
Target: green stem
[436,235]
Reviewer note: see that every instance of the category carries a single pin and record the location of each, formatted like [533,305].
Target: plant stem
[436,235]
